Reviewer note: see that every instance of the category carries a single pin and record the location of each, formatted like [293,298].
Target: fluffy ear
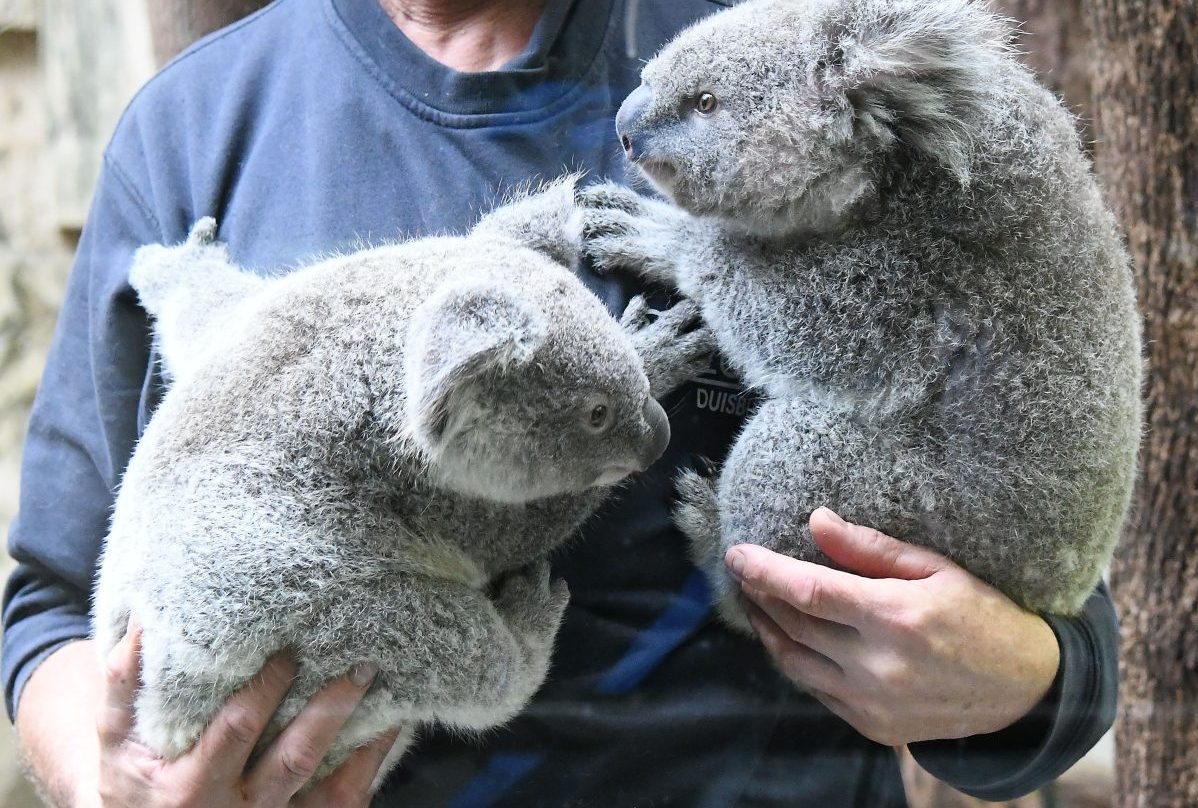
[916,72]
[192,291]
[457,337]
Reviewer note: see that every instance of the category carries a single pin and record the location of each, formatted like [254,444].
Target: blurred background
[68,67]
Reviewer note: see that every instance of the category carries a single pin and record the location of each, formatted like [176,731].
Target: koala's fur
[368,461]
[895,235]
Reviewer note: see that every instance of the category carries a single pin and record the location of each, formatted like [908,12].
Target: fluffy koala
[893,232]
[368,461]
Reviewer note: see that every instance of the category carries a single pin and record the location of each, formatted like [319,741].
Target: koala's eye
[599,416]
[705,104]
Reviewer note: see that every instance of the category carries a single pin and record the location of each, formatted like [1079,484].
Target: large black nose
[658,425]
[629,117]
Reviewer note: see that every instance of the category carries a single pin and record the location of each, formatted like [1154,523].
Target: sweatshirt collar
[563,47]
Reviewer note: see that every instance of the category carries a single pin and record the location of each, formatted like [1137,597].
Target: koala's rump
[220,580]
[997,515]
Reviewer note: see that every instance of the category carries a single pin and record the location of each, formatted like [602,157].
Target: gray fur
[368,461]
[895,235]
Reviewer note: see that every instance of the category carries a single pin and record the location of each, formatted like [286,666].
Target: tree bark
[1146,127]
[175,24]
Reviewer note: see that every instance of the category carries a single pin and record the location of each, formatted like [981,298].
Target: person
[316,125]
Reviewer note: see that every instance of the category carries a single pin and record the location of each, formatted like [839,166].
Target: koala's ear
[916,72]
[455,339]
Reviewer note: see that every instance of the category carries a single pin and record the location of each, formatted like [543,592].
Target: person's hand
[905,647]
[213,772]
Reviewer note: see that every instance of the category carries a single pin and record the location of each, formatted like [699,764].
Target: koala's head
[781,116]
[525,388]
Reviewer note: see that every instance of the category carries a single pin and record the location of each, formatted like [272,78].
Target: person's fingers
[807,668]
[295,755]
[872,553]
[811,588]
[834,640]
[122,678]
[222,750]
[349,785]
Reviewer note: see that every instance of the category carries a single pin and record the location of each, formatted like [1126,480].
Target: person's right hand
[214,772]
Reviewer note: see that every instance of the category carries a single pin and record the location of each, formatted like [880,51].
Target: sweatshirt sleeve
[81,432]
[1078,709]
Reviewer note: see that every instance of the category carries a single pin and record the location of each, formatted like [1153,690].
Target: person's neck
[467,35]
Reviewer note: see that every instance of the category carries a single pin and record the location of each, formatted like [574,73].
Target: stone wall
[39,222]
[35,254]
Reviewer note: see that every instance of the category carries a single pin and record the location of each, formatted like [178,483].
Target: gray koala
[368,461]
[894,234]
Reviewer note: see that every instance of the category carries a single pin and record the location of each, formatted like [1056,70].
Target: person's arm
[907,646]
[81,433]
[1078,709]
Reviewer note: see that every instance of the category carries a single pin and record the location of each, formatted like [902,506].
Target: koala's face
[777,116]
[554,424]
[532,396]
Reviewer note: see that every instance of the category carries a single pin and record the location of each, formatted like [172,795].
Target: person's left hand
[906,647]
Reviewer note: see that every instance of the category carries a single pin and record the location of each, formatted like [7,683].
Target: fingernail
[735,561]
[834,516]
[363,673]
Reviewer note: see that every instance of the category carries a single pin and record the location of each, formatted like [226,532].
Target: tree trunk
[1146,127]
[175,24]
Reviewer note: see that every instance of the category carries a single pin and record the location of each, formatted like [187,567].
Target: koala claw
[674,344]
[604,231]
[609,196]
[637,315]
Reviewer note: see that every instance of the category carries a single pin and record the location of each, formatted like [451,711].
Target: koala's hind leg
[697,515]
[182,689]
[795,456]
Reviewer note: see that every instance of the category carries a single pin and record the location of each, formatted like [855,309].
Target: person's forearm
[56,722]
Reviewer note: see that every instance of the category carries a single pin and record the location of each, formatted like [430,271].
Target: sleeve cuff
[40,616]
[1077,710]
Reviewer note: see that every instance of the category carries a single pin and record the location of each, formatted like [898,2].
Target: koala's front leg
[505,644]
[674,344]
[654,239]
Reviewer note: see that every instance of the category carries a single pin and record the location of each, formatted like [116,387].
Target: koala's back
[264,510]
[993,328]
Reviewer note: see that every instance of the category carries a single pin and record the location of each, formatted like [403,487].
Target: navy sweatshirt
[315,125]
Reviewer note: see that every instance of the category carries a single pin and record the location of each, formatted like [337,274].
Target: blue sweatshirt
[315,125]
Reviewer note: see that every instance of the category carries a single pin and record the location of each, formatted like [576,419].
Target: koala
[898,242]
[369,460]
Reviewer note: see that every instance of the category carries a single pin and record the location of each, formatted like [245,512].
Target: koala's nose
[659,433]
[630,114]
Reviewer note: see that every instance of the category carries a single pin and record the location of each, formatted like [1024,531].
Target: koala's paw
[532,603]
[610,196]
[618,232]
[674,344]
[637,315]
